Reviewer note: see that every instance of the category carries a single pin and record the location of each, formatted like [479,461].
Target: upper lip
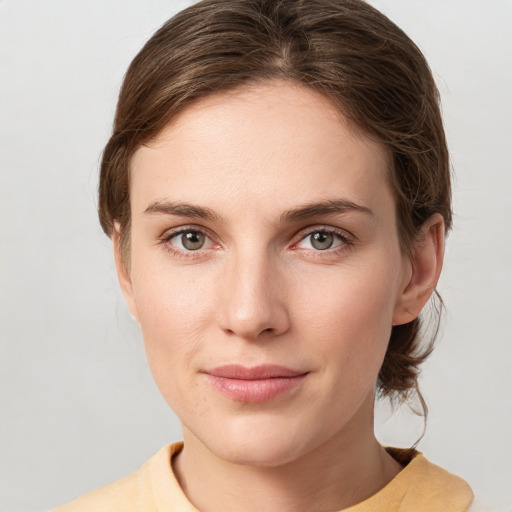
[264,371]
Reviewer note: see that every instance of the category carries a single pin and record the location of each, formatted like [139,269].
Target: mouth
[255,384]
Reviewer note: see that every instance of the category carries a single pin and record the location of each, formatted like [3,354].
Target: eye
[323,239]
[189,240]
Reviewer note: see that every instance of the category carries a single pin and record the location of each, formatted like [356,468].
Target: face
[265,271]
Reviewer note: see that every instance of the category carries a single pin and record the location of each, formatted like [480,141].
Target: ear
[123,273]
[425,266]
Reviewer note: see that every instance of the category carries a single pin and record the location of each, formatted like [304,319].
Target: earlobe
[425,267]
[123,274]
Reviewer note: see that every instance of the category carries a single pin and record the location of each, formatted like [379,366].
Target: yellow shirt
[420,487]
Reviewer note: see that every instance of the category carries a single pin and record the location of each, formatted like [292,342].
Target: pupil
[193,240]
[322,240]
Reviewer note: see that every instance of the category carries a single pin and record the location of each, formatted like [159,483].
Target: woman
[277,190]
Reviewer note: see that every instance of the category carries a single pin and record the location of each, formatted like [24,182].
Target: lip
[256,384]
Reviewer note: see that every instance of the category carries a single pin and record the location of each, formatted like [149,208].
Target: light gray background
[78,405]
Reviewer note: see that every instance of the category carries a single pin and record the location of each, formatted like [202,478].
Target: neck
[345,470]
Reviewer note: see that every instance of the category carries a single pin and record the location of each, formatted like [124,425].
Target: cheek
[168,298]
[173,307]
[348,313]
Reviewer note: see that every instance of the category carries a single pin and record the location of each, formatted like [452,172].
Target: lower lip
[255,390]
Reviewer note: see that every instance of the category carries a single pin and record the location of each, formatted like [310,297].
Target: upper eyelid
[170,233]
[328,229]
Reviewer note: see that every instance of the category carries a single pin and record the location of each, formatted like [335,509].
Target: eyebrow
[182,210]
[309,210]
[330,207]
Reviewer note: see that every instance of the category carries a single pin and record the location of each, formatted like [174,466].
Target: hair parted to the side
[344,49]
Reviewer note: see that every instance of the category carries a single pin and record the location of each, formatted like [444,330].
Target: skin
[259,292]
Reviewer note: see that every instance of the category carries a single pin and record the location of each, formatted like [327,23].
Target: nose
[253,299]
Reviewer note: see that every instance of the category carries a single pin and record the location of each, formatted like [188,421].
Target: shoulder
[427,485]
[421,486]
[132,493]
[120,495]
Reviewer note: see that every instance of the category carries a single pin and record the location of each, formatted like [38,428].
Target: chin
[258,453]
[260,442]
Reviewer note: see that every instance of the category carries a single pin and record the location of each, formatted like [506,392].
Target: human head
[347,51]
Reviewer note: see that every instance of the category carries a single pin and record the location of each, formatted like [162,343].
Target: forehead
[258,146]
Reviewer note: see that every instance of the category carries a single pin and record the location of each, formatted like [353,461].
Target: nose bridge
[252,303]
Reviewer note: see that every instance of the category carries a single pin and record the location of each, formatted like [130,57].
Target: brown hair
[344,49]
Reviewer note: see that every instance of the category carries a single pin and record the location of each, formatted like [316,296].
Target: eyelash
[347,241]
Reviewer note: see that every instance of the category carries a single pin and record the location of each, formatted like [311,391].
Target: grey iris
[322,240]
[193,240]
